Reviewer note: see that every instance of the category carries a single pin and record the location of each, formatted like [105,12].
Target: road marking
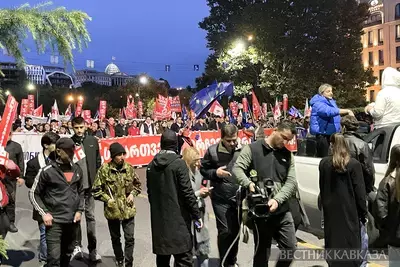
[302,243]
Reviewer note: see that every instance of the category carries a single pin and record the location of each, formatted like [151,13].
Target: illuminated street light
[238,49]
[143,80]
[70,98]
[31,87]
[137,95]
[250,37]
[80,98]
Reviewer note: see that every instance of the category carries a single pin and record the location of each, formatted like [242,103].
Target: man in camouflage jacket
[117,184]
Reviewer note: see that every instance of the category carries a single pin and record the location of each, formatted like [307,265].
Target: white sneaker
[94,256]
[77,254]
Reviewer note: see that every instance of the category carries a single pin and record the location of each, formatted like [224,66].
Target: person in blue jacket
[325,118]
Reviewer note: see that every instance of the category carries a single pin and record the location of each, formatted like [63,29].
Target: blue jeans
[43,244]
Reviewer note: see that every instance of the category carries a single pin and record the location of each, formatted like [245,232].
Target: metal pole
[37,97]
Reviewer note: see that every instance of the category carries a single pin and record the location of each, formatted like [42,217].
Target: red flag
[234,108]
[31,104]
[38,112]
[102,109]
[256,106]
[79,107]
[217,109]
[7,120]
[285,102]
[175,104]
[87,116]
[24,108]
[68,112]
[162,108]
[245,104]
[140,108]
[55,113]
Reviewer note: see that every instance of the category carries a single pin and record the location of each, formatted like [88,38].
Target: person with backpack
[214,167]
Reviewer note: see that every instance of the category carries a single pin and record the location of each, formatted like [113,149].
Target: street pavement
[23,245]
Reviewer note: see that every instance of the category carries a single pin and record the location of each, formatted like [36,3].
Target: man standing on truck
[271,163]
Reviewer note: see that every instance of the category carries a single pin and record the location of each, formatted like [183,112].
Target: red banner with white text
[7,120]
[140,150]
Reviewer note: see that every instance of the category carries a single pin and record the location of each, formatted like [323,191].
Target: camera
[258,200]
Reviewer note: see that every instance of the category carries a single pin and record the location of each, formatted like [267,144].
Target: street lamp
[137,95]
[143,80]
[250,37]
[238,49]
[80,98]
[70,98]
[32,87]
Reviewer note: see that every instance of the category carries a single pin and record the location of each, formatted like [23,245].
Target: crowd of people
[62,189]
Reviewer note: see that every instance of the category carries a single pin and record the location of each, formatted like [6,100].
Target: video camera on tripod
[258,200]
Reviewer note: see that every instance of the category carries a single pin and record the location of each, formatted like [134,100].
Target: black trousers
[90,224]
[128,226]
[228,228]
[323,143]
[281,229]
[11,187]
[60,244]
[181,260]
[4,223]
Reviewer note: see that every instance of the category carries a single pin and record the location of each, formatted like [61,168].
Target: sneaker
[42,263]
[77,254]
[13,229]
[119,263]
[94,256]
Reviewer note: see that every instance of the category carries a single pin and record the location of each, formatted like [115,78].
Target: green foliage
[297,46]
[3,248]
[58,28]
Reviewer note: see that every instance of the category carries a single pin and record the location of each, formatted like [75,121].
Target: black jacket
[92,152]
[224,188]
[173,204]
[33,167]
[386,210]
[121,130]
[51,193]
[360,150]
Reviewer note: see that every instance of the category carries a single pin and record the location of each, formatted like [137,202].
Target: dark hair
[340,152]
[229,130]
[286,125]
[15,127]
[28,119]
[78,120]
[394,165]
[49,138]
[350,123]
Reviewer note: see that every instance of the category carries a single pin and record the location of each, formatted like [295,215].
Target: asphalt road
[23,245]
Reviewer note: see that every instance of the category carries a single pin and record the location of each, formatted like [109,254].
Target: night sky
[143,36]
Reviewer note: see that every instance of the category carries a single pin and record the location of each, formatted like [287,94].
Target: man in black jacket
[173,205]
[121,129]
[90,161]
[15,154]
[58,195]
[214,168]
[33,167]
[359,150]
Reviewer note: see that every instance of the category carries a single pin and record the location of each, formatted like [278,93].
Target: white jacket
[386,110]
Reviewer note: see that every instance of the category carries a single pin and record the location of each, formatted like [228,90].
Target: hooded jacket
[325,118]
[173,204]
[386,110]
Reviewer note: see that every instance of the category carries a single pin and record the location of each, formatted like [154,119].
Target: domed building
[111,69]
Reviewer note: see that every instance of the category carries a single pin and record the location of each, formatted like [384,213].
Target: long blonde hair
[340,152]
[190,155]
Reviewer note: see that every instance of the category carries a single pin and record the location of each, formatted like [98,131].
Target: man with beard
[32,169]
[116,185]
[173,205]
[90,161]
[214,168]
[58,195]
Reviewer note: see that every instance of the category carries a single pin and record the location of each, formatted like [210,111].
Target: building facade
[381,40]
[12,74]
[51,75]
